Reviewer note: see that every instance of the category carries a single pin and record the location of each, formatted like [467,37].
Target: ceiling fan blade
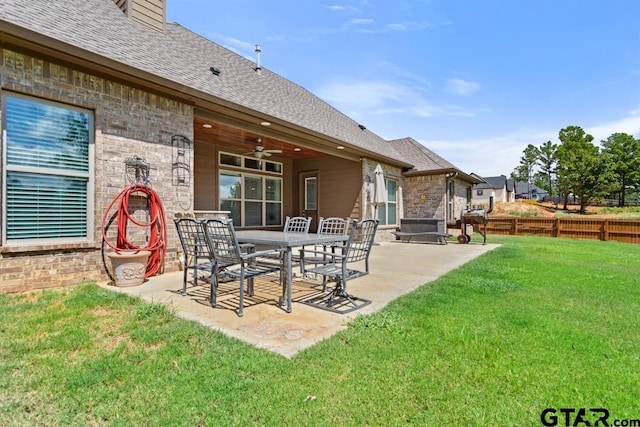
[273,151]
[266,153]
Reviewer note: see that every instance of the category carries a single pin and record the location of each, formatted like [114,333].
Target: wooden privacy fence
[621,230]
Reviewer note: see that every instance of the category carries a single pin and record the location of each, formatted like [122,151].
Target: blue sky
[476,81]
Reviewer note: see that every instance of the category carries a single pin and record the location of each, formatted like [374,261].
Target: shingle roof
[498,182]
[424,159]
[420,156]
[182,56]
[522,187]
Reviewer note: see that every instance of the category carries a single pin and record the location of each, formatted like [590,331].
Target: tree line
[576,167]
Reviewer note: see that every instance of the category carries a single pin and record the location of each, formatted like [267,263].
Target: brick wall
[128,122]
[425,196]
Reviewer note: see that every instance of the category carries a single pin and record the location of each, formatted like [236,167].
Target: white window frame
[89,175]
[245,173]
[383,211]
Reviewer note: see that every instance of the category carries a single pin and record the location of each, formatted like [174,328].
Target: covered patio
[396,269]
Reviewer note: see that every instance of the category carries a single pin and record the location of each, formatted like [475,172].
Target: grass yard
[537,323]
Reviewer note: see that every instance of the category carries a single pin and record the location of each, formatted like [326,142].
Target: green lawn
[536,323]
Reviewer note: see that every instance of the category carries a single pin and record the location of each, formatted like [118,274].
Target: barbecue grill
[477,218]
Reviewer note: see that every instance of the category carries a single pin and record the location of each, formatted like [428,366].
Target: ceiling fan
[259,152]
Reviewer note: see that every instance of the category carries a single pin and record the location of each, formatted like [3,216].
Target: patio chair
[297,224]
[332,225]
[194,248]
[230,261]
[339,267]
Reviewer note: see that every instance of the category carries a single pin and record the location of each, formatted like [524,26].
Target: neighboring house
[500,187]
[529,191]
[433,188]
[86,85]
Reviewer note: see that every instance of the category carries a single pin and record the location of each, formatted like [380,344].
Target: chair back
[192,238]
[297,224]
[334,225]
[222,241]
[360,241]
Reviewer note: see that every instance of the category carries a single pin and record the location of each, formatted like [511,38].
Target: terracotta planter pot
[129,267]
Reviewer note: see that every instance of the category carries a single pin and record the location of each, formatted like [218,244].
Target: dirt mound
[522,209]
[544,210]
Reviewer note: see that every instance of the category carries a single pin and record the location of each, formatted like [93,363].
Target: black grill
[477,218]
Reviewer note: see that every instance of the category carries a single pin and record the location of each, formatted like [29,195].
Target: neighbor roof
[523,188]
[179,59]
[496,182]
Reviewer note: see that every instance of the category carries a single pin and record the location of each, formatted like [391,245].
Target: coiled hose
[157,239]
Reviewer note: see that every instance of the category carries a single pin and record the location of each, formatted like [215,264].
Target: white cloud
[377,97]
[361,21]
[490,156]
[461,87]
[395,27]
[500,154]
[629,125]
[364,95]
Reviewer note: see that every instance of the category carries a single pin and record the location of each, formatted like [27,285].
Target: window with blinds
[47,170]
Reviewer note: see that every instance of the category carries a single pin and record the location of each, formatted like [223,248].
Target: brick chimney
[152,13]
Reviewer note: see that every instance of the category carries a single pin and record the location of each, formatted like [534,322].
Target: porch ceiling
[241,141]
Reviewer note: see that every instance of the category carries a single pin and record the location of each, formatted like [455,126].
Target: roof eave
[444,171]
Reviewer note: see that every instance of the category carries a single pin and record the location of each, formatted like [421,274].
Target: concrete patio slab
[395,269]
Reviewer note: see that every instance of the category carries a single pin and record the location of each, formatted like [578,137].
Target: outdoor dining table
[287,241]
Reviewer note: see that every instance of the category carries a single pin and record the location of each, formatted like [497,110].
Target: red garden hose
[157,240]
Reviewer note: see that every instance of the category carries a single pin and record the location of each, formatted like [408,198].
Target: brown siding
[339,185]
[206,178]
[149,12]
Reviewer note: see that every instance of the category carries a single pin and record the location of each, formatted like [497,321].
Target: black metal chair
[195,250]
[230,261]
[338,267]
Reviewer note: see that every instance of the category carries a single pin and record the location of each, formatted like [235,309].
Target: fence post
[514,227]
[559,227]
[556,228]
[605,230]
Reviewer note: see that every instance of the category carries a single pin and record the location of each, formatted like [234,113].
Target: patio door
[308,184]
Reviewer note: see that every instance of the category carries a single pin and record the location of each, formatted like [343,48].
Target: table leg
[289,279]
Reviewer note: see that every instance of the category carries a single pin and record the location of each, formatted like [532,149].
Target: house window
[480,192]
[388,213]
[253,199]
[47,171]
[451,198]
